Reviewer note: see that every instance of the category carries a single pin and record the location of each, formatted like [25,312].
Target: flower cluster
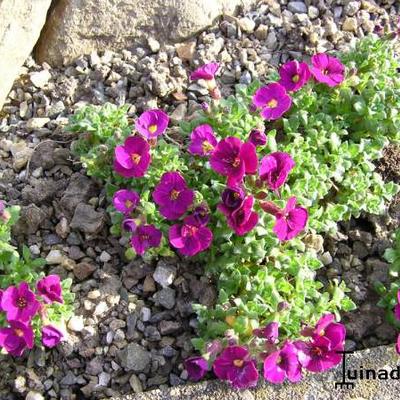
[273,99]
[238,365]
[20,305]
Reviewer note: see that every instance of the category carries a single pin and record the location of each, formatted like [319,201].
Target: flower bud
[257,137]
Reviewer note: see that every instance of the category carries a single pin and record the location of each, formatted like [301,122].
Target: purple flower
[257,137]
[319,354]
[51,336]
[125,200]
[19,303]
[273,100]
[290,221]
[144,237]
[398,344]
[172,195]
[16,338]
[283,364]
[4,214]
[232,199]
[1,295]
[397,307]
[152,123]
[2,207]
[203,140]
[294,75]
[274,169]
[327,69]
[234,159]
[129,225]
[133,158]
[50,289]
[269,332]
[202,214]
[196,367]
[206,72]
[191,237]
[243,219]
[235,365]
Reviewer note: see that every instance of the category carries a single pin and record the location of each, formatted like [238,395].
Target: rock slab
[20,24]
[77,27]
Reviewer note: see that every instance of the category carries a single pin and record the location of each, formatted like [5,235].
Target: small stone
[34,249]
[76,323]
[271,40]
[136,384]
[145,314]
[87,220]
[21,154]
[134,358]
[34,396]
[40,79]
[83,270]
[105,257]
[247,24]
[179,113]
[62,228]
[36,123]
[101,309]
[186,50]
[55,257]
[149,284]
[153,44]
[352,7]
[169,327]
[297,7]
[350,24]
[166,298]
[326,258]
[152,334]
[104,379]
[315,242]
[261,32]
[164,274]
[313,12]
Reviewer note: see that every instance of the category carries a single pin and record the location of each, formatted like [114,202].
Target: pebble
[135,358]
[164,274]
[76,323]
[261,32]
[297,7]
[350,24]
[41,78]
[34,396]
[166,298]
[105,257]
[55,257]
[247,24]
[36,123]
[135,384]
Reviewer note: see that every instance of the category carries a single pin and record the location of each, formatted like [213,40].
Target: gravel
[135,319]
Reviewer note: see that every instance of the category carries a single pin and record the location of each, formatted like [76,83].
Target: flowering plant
[26,315]
[245,185]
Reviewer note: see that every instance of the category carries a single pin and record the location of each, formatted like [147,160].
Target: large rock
[76,27]
[20,24]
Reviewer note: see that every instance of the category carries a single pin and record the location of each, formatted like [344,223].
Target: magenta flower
[196,367]
[1,296]
[144,237]
[191,237]
[129,225]
[397,307]
[398,344]
[273,100]
[327,69]
[290,221]
[172,195]
[203,140]
[243,219]
[125,200]
[257,137]
[16,338]
[294,75]
[51,336]
[235,365]
[319,354]
[234,159]
[202,214]
[232,199]
[269,332]
[133,158]
[19,303]
[206,72]
[49,288]
[326,327]
[283,364]
[152,123]
[275,168]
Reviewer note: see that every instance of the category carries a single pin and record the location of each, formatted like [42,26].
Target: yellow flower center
[236,162]
[21,302]
[295,78]
[174,194]
[128,204]
[152,128]
[238,363]
[19,332]
[135,158]
[272,103]
[207,146]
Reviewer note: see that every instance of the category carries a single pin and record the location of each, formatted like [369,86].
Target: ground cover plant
[33,307]
[243,187]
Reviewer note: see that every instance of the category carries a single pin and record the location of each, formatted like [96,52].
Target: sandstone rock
[76,27]
[20,26]
[87,220]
